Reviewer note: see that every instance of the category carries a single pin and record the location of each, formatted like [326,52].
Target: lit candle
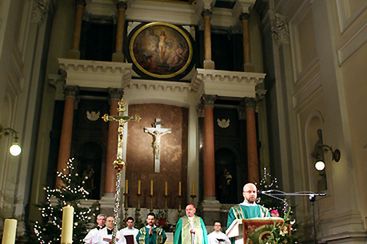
[127,186]
[9,233]
[67,224]
[179,189]
[193,189]
[139,187]
[151,187]
[165,188]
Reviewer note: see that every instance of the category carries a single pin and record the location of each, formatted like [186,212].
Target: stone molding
[96,74]
[226,83]
[154,85]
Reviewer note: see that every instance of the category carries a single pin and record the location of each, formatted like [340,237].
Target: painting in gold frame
[160,50]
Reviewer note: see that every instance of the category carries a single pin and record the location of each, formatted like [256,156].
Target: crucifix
[157,131]
[118,164]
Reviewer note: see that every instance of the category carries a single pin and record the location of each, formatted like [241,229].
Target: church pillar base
[209,64]
[118,57]
[73,54]
[211,210]
[107,204]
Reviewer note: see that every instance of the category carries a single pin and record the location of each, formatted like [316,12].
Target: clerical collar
[109,232]
[246,203]
[148,226]
[100,227]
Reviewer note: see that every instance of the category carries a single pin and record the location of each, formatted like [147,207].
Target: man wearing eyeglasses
[248,209]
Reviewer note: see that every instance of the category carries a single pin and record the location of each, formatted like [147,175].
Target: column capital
[208,100]
[279,28]
[80,2]
[244,16]
[206,12]
[115,93]
[71,91]
[249,102]
[121,5]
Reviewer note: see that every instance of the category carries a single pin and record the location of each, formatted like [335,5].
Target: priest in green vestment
[151,234]
[248,209]
[190,229]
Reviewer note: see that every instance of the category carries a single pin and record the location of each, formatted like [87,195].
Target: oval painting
[160,50]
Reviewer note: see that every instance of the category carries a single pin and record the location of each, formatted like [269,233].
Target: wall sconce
[14,149]
[320,149]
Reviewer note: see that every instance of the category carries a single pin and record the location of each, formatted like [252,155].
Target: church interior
[226,92]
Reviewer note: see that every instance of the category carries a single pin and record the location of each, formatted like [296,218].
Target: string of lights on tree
[72,192]
[279,207]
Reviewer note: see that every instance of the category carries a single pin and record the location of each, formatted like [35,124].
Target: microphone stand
[311,196]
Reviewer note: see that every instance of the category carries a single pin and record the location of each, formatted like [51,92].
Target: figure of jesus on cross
[157,131]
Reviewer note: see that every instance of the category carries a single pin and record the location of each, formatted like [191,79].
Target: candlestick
[139,187]
[151,187]
[165,188]
[67,225]
[9,233]
[126,187]
[179,189]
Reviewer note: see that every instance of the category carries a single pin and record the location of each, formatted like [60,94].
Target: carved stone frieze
[226,83]
[96,74]
[163,86]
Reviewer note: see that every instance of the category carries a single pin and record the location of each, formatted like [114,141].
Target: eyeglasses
[249,192]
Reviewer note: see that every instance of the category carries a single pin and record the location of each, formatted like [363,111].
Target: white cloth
[214,236]
[103,237]
[91,237]
[125,232]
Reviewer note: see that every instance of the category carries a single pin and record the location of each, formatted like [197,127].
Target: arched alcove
[226,175]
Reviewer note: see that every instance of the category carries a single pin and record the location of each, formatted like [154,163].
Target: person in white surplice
[217,236]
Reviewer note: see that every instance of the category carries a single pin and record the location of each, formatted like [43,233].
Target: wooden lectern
[240,228]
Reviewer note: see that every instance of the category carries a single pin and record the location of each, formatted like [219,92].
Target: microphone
[267,191]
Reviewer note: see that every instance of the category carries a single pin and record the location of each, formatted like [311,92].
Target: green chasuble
[158,236]
[246,212]
[183,235]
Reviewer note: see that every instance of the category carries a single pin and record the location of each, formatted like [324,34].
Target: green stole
[157,235]
[251,211]
[185,232]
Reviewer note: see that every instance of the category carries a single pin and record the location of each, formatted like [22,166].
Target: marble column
[118,55]
[66,130]
[74,53]
[208,148]
[208,62]
[110,175]
[247,65]
[252,154]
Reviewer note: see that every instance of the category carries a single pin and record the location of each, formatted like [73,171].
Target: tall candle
[151,187]
[67,224]
[193,189]
[165,188]
[179,189]
[139,187]
[10,230]
[127,186]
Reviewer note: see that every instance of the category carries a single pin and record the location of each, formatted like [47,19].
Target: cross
[157,131]
[118,164]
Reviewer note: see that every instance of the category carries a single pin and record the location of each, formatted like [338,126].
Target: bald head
[250,192]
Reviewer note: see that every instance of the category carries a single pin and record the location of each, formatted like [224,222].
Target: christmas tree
[279,207]
[72,192]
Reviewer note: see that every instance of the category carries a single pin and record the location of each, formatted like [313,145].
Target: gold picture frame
[160,50]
